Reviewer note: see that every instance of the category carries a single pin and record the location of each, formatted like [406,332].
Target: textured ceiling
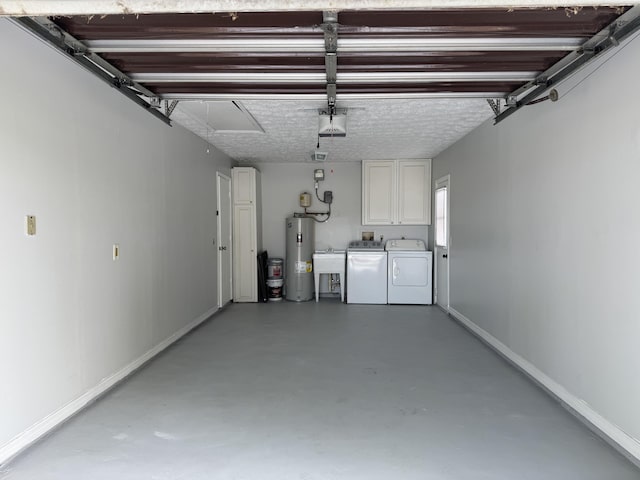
[376,129]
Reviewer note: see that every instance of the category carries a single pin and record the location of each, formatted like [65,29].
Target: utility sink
[329,261]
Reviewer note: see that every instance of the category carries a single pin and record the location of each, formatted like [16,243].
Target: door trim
[444,179]
[220,176]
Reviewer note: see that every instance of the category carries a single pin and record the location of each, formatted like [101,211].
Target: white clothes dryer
[409,272]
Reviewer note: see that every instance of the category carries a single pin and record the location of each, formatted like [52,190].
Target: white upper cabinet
[414,192]
[244,185]
[396,192]
[378,193]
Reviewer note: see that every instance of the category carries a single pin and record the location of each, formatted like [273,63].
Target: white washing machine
[409,272]
[366,272]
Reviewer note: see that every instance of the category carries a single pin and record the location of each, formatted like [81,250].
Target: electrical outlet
[116,251]
[31,224]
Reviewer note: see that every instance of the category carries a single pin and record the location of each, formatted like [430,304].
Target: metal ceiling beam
[119,7]
[401,77]
[345,45]
[321,97]
[251,88]
[76,51]
[340,78]
[233,45]
[224,77]
[330,29]
[399,44]
[607,38]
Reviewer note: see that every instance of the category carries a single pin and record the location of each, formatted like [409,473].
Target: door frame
[445,178]
[219,217]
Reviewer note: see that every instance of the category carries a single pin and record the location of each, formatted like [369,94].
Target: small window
[441,217]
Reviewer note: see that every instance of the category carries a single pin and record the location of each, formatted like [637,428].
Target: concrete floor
[325,391]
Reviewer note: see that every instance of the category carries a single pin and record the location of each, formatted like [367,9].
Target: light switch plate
[31,224]
[116,251]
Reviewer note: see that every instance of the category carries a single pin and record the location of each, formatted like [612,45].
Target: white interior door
[442,240]
[225,271]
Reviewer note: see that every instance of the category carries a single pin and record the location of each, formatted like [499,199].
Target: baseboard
[612,434]
[46,425]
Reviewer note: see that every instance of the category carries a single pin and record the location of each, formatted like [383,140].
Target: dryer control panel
[406,245]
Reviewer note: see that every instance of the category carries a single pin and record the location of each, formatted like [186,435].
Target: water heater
[300,246]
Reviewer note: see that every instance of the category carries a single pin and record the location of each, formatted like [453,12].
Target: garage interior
[134,365]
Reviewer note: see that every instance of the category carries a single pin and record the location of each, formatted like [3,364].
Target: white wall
[545,244]
[95,169]
[281,185]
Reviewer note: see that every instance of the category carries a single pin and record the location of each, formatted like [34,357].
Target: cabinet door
[244,185]
[378,193]
[245,268]
[414,192]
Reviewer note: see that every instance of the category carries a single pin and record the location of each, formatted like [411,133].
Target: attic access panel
[221,116]
[484,53]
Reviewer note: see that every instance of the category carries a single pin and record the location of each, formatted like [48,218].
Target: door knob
[444,255]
